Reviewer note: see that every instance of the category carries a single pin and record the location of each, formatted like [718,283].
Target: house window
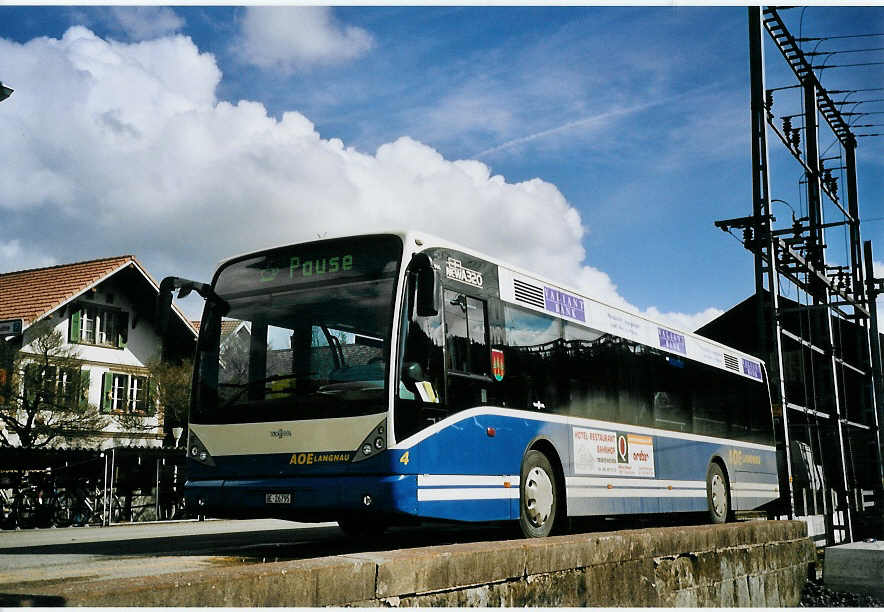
[54,387]
[125,393]
[107,327]
[119,385]
[92,324]
[138,393]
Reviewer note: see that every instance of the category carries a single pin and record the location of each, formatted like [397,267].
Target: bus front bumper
[306,498]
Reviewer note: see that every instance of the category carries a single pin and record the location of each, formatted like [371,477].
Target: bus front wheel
[717,494]
[538,496]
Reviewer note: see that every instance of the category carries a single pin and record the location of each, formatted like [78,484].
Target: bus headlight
[199,452]
[374,442]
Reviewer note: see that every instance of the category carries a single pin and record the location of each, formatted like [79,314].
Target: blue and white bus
[391,377]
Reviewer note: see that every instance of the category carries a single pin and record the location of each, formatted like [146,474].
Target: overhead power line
[860,101]
[845,51]
[812,38]
[847,91]
[847,65]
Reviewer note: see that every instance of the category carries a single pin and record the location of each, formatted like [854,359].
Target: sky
[594,145]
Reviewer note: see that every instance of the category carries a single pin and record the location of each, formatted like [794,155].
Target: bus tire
[538,496]
[717,494]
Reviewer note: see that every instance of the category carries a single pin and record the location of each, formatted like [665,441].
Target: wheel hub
[719,495]
[538,496]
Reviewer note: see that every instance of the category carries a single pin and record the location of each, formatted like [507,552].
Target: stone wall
[760,563]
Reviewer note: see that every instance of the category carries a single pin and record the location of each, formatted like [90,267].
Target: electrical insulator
[796,138]
[787,125]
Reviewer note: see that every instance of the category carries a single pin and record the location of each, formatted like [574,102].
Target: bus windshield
[297,333]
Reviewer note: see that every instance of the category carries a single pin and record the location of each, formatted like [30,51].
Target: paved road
[101,553]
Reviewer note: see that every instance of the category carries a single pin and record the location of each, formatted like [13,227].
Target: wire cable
[811,38]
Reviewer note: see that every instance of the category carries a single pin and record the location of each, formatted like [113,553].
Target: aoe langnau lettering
[313,458]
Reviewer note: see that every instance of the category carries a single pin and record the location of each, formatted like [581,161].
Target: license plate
[278,498]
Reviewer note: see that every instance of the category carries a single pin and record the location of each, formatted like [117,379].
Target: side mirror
[427,300]
[413,371]
[184,287]
[164,304]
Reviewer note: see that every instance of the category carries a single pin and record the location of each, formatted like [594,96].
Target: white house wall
[142,346]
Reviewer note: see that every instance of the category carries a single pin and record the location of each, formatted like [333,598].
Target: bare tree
[43,393]
[170,386]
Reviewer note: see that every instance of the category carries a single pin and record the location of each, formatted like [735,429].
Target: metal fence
[118,485]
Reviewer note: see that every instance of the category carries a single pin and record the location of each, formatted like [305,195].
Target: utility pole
[769,331]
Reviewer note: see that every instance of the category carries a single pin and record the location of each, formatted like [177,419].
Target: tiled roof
[227,326]
[29,294]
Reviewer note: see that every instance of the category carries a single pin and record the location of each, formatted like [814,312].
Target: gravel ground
[816,595]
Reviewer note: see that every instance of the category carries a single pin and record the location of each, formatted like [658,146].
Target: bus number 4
[404,458]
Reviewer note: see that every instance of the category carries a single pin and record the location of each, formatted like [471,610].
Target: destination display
[333,261]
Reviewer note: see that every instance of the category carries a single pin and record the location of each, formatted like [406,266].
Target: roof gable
[31,294]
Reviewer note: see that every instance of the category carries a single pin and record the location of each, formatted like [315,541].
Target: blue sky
[605,140]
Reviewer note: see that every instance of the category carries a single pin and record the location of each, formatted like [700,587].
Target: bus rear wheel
[538,496]
[717,494]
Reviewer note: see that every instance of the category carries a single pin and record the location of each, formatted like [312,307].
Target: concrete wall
[762,563]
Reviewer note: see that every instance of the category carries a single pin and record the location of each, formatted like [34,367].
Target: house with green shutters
[105,311]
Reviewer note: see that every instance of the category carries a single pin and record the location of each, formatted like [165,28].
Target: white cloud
[144,22]
[12,251]
[123,148]
[290,38]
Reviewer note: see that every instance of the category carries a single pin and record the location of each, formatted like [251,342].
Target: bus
[398,377]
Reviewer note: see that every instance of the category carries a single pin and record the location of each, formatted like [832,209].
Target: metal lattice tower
[823,355]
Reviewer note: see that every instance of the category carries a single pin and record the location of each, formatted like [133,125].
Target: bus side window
[539,363]
[468,355]
[671,400]
[466,334]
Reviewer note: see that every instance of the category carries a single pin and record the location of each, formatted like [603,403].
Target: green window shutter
[74,327]
[107,389]
[123,329]
[83,388]
[148,397]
